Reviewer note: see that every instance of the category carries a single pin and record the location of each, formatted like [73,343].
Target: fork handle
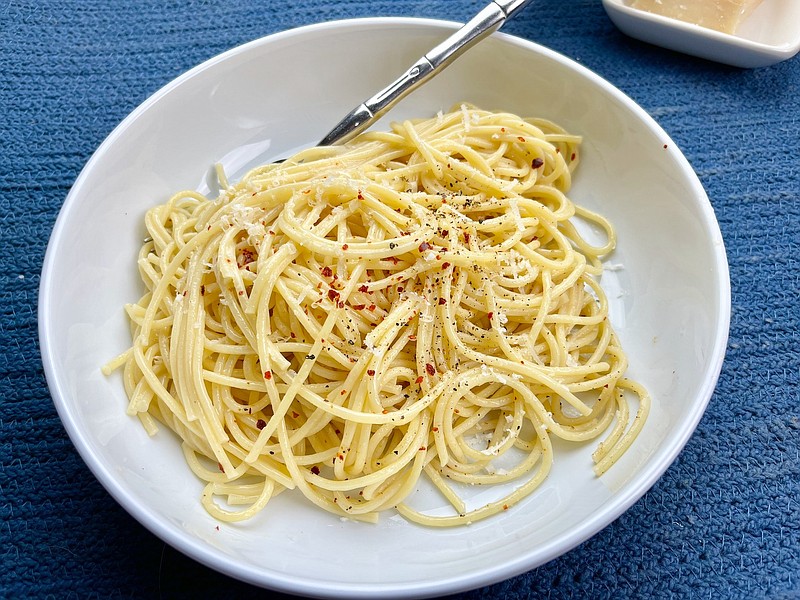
[486,22]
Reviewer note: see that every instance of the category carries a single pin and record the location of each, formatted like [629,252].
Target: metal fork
[487,21]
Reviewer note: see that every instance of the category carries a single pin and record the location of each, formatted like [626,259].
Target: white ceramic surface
[771,34]
[670,298]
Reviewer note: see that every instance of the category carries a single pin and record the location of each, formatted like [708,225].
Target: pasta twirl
[415,304]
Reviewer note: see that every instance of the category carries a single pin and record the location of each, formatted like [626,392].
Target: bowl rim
[210,557]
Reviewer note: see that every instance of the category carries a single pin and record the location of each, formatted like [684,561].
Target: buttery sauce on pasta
[415,304]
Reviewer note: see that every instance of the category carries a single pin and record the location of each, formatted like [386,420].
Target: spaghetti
[415,304]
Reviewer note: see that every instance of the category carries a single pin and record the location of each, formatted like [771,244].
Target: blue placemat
[725,519]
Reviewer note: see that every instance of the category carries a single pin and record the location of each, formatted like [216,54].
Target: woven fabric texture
[723,522]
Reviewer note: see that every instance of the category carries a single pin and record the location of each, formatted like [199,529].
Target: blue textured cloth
[724,521]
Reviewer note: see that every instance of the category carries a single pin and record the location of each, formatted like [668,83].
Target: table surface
[724,521]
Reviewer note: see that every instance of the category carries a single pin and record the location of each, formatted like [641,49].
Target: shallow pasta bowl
[670,302]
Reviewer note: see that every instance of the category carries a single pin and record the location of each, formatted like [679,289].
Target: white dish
[771,34]
[670,300]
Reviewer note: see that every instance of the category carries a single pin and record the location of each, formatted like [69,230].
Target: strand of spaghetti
[528,371]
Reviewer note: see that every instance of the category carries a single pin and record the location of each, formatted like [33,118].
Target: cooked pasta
[417,303]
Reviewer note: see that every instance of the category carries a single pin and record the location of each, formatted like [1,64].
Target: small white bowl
[771,34]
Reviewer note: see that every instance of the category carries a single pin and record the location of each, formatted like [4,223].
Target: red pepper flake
[295,414]
[345,246]
[430,369]
[370,372]
[392,259]
[442,301]
[467,238]
[403,385]
[260,424]
[340,304]
[241,292]
[572,156]
[412,337]
[292,334]
[333,294]
[419,380]
[326,272]
[505,506]
[520,138]
[503,129]
[424,246]
[445,265]
[665,146]
[202,290]
[490,315]
[371,307]
[343,392]
[364,289]
[360,195]
[434,429]
[400,288]
[359,306]
[219,466]
[315,470]
[267,375]
[537,162]
[445,232]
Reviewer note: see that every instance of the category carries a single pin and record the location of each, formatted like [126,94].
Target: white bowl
[770,34]
[670,299]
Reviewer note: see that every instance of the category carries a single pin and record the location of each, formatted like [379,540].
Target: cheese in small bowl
[721,15]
